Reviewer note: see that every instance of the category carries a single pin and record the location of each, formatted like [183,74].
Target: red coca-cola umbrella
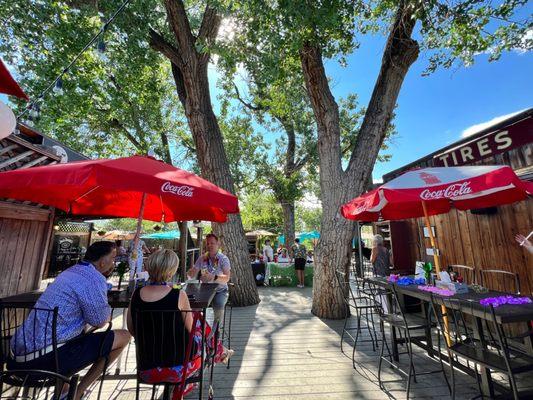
[137,187]
[431,191]
[120,188]
[8,85]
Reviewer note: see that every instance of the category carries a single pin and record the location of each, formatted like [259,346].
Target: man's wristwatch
[216,277]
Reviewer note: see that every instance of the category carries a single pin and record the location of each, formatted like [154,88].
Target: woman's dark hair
[98,250]
[211,235]
[118,243]
[297,240]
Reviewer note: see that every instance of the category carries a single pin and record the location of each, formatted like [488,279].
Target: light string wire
[67,68]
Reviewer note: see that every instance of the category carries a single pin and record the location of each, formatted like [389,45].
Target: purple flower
[436,290]
[500,300]
[393,278]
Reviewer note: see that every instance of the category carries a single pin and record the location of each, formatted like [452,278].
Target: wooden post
[432,239]
[137,236]
[200,240]
[437,269]
[183,249]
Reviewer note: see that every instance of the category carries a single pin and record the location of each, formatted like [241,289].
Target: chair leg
[106,364]
[353,357]
[358,331]
[229,332]
[383,339]
[368,329]
[411,369]
[512,383]
[344,330]
[441,363]
[137,388]
[453,375]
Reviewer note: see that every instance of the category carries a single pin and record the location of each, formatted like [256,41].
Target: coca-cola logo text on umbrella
[185,191]
[454,190]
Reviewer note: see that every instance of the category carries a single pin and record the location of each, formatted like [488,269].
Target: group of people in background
[298,254]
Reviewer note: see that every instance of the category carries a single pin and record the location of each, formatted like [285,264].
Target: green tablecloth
[285,274]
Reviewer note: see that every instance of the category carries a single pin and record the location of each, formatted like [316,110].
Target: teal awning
[167,235]
[302,236]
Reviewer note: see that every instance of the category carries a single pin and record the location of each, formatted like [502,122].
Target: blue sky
[433,111]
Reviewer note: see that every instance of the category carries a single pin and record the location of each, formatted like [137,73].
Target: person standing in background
[299,255]
[268,252]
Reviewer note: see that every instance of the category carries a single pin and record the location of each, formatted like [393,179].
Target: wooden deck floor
[282,351]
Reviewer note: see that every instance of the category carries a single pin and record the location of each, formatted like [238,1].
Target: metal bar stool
[394,315]
[359,305]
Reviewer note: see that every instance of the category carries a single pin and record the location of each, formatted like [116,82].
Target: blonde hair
[162,265]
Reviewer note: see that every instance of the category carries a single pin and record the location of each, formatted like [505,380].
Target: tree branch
[166,149]
[115,123]
[180,85]
[208,31]
[401,51]
[210,24]
[158,43]
[179,23]
[248,105]
[301,163]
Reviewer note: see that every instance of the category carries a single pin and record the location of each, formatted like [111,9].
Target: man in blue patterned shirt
[80,293]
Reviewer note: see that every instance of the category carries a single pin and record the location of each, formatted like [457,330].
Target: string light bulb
[35,111]
[58,88]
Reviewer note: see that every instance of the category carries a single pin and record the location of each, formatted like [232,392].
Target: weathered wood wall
[25,233]
[482,241]
[25,228]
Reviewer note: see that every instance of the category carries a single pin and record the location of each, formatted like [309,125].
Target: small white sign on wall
[430,252]
[426,231]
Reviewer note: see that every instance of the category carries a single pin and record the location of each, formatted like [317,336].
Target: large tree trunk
[288,222]
[337,186]
[189,67]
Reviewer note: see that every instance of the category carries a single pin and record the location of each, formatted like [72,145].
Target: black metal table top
[470,302]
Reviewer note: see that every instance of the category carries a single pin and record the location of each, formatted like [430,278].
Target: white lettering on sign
[185,191]
[483,147]
[466,154]
[451,191]
[487,146]
[444,159]
[503,140]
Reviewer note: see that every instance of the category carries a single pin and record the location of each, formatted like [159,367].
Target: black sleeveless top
[160,334]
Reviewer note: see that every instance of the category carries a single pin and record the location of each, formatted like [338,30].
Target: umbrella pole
[437,269]
[137,235]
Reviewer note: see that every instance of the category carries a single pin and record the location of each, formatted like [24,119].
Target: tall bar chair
[463,345]
[362,307]
[16,370]
[393,315]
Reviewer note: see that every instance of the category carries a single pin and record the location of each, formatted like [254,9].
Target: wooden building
[26,229]
[482,238]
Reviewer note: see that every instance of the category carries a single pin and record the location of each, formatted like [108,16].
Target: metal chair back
[497,279]
[27,333]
